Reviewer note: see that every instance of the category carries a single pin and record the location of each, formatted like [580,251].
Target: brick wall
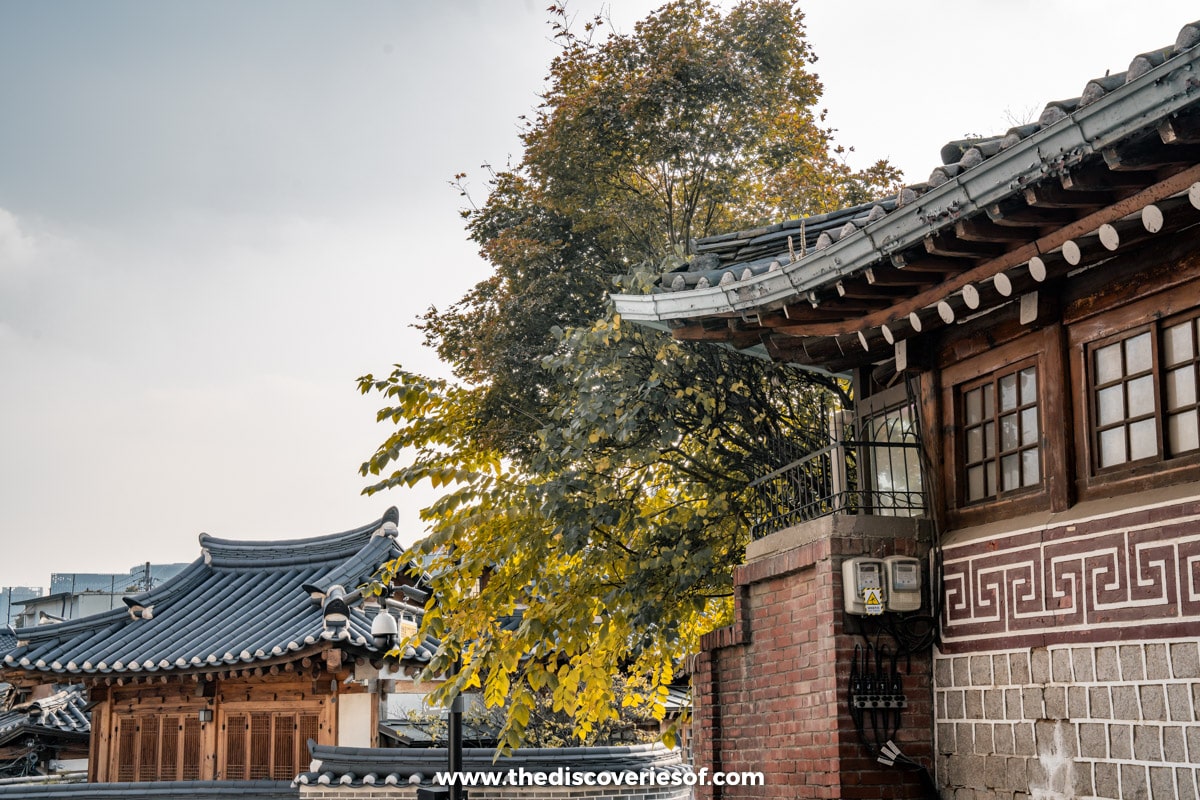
[770,691]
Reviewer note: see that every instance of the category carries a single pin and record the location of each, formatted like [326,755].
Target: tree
[595,473]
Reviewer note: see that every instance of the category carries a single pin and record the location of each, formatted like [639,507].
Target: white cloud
[17,246]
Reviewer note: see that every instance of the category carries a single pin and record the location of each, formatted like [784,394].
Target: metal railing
[877,473]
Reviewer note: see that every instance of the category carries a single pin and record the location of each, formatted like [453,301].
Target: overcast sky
[215,215]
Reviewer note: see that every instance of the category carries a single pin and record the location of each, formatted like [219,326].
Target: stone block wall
[770,692]
[1117,720]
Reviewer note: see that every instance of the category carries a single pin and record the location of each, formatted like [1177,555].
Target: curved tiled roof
[63,713]
[990,197]
[240,603]
[359,766]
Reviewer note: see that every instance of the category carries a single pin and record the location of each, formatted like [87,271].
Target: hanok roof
[363,766]
[240,603]
[62,714]
[1000,216]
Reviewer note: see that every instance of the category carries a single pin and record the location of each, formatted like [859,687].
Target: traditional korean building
[1022,334]
[39,736]
[225,672]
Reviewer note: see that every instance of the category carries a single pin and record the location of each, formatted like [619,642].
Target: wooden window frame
[132,747]
[1153,313]
[1043,349]
[318,712]
[996,459]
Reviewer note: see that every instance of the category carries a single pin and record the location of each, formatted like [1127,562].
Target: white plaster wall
[354,719]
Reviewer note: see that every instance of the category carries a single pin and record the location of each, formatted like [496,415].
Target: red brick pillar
[770,692]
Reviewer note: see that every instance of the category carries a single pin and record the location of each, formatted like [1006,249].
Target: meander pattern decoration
[1081,582]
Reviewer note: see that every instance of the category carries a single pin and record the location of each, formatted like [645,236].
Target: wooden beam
[912,261]
[1051,195]
[1095,177]
[940,244]
[698,333]
[850,307]
[1184,129]
[1018,214]
[803,350]
[799,313]
[858,290]
[1150,154]
[1124,232]
[981,229]
[891,276]
[1083,250]
[901,328]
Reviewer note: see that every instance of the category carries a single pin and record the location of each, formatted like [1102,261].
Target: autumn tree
[594,473]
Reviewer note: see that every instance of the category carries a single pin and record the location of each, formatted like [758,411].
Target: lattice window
[284,761]
[236,728]
[309,727]
[1145,403]
[260,745]
[1001,434]
[127,744]
[193,753]
[1180,359]
[148,749]
[168,751]
[270,745]
[158,747]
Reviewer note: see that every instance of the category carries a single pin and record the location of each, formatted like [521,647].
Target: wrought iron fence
[876,470]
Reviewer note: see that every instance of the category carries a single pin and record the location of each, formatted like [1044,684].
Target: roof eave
[1162,91]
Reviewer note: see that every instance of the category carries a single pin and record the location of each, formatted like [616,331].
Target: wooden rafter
[986,271]
[1051,195]
[1183,129]
[1095,177]
[981,229]
[947,245]
[1150,154]
[1018,214]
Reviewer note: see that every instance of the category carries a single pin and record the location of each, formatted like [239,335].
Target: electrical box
[903,583]
[864,591]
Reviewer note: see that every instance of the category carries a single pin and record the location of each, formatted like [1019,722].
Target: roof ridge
[280,552]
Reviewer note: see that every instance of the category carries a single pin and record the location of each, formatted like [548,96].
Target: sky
[216,215]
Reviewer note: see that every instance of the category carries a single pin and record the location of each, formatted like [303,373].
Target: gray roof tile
[240,603]
[354,765]
[63,713]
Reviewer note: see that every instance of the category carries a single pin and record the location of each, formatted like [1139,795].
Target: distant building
[139,578]
[11,598]
[80,594]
